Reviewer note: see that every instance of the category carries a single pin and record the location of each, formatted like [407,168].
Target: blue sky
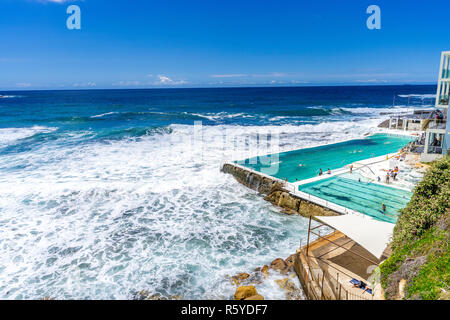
[196,43]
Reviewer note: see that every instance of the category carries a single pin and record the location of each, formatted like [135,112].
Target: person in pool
[383,207]
[320,172]
[329,171]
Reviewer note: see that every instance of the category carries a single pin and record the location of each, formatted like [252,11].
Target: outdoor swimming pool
[285,165]
[364,197]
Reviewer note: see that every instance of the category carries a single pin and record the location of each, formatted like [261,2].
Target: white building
[437,140]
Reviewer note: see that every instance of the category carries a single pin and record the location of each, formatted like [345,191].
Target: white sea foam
[418,96]
[104,220]
[103,114]
[9,135]
[10,96]
[221,115]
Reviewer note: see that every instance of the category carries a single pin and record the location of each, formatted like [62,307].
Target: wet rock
[244,292]
[252,180]
[265,271]
[240,278]
[279,264]
[146,295]
[290,261]
[292,292]
[255,297]
[255,278]
[243,276]
[282,282]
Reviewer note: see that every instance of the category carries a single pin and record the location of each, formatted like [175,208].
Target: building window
[435,143]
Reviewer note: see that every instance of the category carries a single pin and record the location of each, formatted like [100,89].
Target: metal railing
[319,284]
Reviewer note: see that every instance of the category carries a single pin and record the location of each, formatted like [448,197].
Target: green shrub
[416,234]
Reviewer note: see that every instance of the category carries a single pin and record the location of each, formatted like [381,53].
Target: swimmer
[329,171]
[320,172]
[383,206]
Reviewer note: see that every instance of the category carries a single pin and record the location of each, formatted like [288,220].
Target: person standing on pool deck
[351,168]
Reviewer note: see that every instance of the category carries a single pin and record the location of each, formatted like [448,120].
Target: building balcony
[437,124]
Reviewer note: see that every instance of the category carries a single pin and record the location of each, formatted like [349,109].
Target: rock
[308,209]
[290,287]
[292,292]
[290,261]
[252,180]
[243,276]
[282,282]
[255,297]
[265,271]
[239,278]
[255,278]
[401,288]
[275,193]
[145,295]
[244,292]
[279,264]
[384,124]
[407,271]
[445,295]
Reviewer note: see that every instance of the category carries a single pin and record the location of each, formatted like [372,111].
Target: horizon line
[229,87]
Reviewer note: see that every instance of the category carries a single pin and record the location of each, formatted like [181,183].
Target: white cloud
[127,83]
[23,85]
[273,74]
[165,80]
[89,84]
[372,81]
[229,75]
[55,1]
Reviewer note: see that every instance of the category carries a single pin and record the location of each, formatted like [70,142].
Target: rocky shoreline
[245,289]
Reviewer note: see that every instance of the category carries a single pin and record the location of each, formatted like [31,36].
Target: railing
[437,124]
[319,284]
[434,150]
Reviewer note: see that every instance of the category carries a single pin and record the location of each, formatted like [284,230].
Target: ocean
[105,193]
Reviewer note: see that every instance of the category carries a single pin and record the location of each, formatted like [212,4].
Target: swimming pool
[364,197]
[285,165]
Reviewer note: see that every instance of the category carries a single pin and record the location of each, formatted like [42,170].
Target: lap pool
[285,165]
[364,197]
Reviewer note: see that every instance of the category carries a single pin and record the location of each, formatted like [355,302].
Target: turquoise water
[364,197]
[286,164]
